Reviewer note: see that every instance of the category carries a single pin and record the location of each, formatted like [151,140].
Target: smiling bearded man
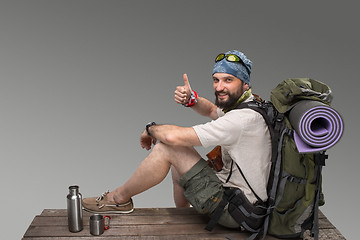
[242,135]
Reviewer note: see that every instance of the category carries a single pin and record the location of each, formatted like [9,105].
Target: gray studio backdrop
[80,79]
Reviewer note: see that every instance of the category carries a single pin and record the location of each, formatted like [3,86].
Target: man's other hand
[146,141]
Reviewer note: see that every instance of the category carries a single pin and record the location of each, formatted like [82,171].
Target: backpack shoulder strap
[252,190]
[258,106]
[273,119]
[277,128]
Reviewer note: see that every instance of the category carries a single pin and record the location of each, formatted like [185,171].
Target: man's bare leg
[154,169]
[179,199]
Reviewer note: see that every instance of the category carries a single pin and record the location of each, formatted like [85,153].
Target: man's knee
[176,153]
[161,148]
[170,149]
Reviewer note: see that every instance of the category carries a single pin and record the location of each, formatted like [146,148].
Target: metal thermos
[74,209]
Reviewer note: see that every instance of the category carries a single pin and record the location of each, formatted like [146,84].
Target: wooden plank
[125,220]
[148,223]
[148,216]
[136,212]
[191,226]
[141,212]
[139,232]
[129,230]
[172,237]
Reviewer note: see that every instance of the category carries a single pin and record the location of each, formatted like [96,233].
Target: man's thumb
[186,81]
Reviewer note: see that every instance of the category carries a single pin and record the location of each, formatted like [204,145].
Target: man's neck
[241,99]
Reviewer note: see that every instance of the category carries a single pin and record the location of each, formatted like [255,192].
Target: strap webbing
[219,211]
[276,177]
[231,168]
[319,159]
[252,190]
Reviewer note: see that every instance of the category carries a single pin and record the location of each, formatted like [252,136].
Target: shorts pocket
[204,194]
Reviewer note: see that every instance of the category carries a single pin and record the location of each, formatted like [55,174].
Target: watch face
[149,125]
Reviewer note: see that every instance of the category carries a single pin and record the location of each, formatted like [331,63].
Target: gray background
[80,79]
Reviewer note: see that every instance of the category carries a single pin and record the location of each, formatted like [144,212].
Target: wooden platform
[147,223]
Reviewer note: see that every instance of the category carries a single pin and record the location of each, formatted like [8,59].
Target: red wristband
[192,100]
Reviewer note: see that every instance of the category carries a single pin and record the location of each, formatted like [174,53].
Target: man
[241,133]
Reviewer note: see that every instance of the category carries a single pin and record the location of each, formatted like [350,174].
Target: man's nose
[219,86]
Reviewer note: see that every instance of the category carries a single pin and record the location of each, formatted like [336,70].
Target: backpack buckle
[319,158]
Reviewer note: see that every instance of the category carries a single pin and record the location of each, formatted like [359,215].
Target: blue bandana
[236,69]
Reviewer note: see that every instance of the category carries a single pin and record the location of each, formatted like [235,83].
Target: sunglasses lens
[232,58]
[219,57]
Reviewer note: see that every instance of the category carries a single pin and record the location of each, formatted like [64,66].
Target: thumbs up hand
[182,93]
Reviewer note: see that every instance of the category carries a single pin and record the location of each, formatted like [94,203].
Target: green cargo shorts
[204,191]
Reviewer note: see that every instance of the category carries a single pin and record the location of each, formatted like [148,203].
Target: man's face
[228,89]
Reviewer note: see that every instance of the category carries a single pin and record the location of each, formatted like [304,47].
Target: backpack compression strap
[319,163]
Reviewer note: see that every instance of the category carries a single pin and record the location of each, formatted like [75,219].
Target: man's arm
[171,135]
[203,106]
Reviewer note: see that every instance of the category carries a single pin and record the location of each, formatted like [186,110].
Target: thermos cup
[97,224]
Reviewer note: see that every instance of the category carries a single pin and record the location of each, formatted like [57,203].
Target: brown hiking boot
[103,206]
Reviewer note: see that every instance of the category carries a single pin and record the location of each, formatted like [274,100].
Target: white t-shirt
[244,137]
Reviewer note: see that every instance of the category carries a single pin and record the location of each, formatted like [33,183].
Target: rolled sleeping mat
[317,126]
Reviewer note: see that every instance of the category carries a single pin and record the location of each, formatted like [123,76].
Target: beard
[230,102]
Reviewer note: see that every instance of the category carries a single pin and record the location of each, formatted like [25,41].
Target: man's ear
[246,86]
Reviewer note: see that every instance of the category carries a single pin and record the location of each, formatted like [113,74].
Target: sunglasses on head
[232,58]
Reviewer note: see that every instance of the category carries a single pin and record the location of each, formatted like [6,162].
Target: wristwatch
[149,125]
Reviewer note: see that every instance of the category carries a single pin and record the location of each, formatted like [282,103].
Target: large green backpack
[294,188]
[298,192]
